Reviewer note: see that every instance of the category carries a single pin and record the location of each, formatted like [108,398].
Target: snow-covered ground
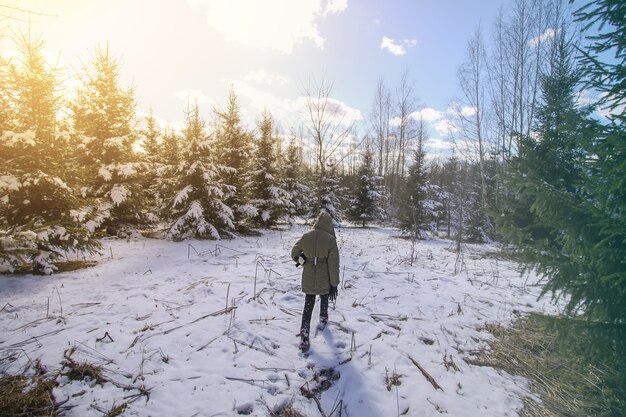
[208,328]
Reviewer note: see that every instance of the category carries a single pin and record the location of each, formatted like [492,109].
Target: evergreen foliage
[603,248]
[104,115]
[151,153]
[167,168]
[443,176]
[417,207]
[264,187]
[329,190]
[233,147]
[566,210]
[366,205]
[41,216]
[295,180]
[151,139]
[7,112]
[477,228]
[197,209]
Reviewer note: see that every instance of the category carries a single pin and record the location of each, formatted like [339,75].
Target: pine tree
[151,143]
[264,188]
[601,287]
[168,166]
[417,206]
[169,154]
[41,219]
[197,210]
[103,114]
[366,204]
[570,192]
[152,180]
[7,112]
[556,210]
[298,192]
[330,190]
[477,222]
[442,177]
[233,147]
[548,171]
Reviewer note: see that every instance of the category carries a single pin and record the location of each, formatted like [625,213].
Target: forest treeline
[533,165]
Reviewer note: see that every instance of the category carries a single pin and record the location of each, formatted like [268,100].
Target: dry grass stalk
[20,396]
[567,384]
[393,380]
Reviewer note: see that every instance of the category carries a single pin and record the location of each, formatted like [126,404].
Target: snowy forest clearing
[208,328]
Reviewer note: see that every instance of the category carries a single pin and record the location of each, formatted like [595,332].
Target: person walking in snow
[318,253]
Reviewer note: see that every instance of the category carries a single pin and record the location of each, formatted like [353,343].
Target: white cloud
[445,127]
[259,100]
[546,35]
[439,144]
[397,47]
[427,115]
[394,122]
[338,111]
[335,7]
[192,96]
[270,24]
[290,112]
[467,111]
[261,77]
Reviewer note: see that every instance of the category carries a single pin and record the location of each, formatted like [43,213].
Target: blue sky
[174,51]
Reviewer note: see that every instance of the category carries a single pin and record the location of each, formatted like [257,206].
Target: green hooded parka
[321,270]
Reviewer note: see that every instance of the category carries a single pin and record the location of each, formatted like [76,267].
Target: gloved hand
[332,295]
[300,259]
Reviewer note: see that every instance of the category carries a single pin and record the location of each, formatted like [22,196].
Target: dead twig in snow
[33,339]
[207,344]
[8,308]
[216,313]
[251,346]
[106,334]
[428,377]
[33,323]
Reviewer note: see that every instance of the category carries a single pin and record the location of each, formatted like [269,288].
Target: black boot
[322,324]
[304,340]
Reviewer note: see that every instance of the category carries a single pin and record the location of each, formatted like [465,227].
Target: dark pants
[309,303]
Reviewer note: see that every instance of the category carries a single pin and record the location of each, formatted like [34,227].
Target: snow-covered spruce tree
[7,112]
[197,209]
[295,180]
[40,212]
[168,165]
[477,229]
[439,178]
[264,188]
[233,147]
[151,138]
[366,204]
[417,206]
[329,192]
[104,115]
[151,142]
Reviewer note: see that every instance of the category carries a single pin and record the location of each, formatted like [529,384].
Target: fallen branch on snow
[428,377]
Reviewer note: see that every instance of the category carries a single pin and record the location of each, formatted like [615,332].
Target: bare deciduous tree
[329,127]
[380,118]
[515,70]
[470,112]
